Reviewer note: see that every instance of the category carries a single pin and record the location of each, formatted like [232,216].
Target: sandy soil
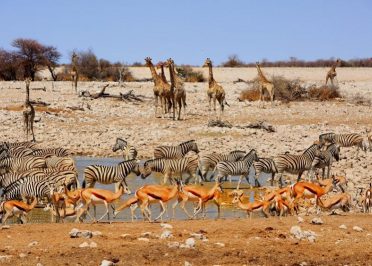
[242,242]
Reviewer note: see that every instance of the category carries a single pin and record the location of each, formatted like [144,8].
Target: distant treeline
[30,56]
[234,61]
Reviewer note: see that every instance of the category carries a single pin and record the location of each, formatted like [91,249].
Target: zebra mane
[120,139]
[186,142]
[249,154]
[311,147]
[236,151]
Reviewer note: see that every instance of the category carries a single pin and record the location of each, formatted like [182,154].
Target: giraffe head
[28,81]
[169,62]
[148,61]
[258,64]
[160,64]
[207,62]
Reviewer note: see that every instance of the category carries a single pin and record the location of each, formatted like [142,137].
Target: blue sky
[191,30]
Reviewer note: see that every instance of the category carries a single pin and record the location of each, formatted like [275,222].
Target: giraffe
[75,71]
[158,85]
[331,74]
[215,91]
[166,93]
[177,86]
[265,84]
[28,112]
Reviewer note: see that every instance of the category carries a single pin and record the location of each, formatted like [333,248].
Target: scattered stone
[166,234]
[93,244]
[146,234]
[39,264]
[173,244]
[96,233]
[187,263]
[338,241]
[304,263]
[342,226]
[76,233]
[316,220]
[300,219]
[5,227]
[357,228]
[143,239]
[166,226]
[198,236]
[86,234]
[33,243]
[125,236]
[107,263]
[5,258]
[220,244]
[84,245]
[299,234]
[190,242]
[22,255]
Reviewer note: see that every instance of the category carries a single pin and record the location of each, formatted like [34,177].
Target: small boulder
[173,244]
[96,233]
[342,226]
[357,228]
[166,226]
[107,263]
[187,263]
[5,227]
[317,220]
[220,244]
[84,245]
[166,234]
[190,242]
[300,219]
[143,239]
[33,243]
[93,244]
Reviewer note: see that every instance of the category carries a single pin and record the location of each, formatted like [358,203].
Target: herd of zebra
[29,172]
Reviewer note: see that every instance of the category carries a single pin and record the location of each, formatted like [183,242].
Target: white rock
[166,226]
[342,226]
[74,233]
[187,263]
[166,234]
[125,236]
[357,228]
[84,245]
[173,244]
[107,263]
[146,234]
[198,236]
[86,234]
[33,243]
[190,242]
[304,263]
[96,233]
[5,258]
[300,219]
[316,220]
[22,255]
[93,244]
[296,231]
[5,227]
[143,239]
[220,244]
[39,264]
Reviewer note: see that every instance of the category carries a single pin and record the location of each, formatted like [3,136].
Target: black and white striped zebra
[110,174]
[22,164]
[129,152]
[48,152]
[61,178]
[264,165]
[9,145]
[18,152]
[176,152]
[4,154]
[325,159]
[344,140]
[28,189]
[209,161]
[9,178]
[171,167]
[240,168]
[296,164]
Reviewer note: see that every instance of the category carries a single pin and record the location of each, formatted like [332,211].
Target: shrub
[189,74]
[233,61]
[250,95]
[323,93]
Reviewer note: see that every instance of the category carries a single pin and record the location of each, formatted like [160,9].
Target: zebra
[264,165]
[170,167]
[325,159]
[344,140]
[21,164]
[175,152]
[210,160]
[110,174]
[129,152]
[296,163]
[28,189]
[9,178]
[4,154]
[60,179]
[61,163]
[59,152]
[236,168]
[18,152]
[8,145]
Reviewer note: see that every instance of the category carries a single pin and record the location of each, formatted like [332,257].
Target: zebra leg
[299,176]
[280,180]
[247,178]
[328,171]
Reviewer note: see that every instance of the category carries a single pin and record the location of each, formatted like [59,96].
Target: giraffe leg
[32,128]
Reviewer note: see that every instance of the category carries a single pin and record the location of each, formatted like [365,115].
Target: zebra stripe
[60,163]
[8,145]
[241,167]
[296,164]
[264,165]
[175,152]
[129,152]
[22,164]
[30,189]
[169,167]
[210,161]
[109,174]
[325,159]
[9,178]
[342,140]
[59,152]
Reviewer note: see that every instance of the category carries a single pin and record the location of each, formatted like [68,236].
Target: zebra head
[189,146]
[136,168]
[326,137]
[120,144]
[4,154]
[147,168]
[250,157]
[335,151]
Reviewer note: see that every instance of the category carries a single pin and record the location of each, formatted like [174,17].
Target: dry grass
[291,90]
[360,100]
[190,75]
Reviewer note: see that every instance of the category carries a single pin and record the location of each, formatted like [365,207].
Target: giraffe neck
[261,75]
[154,74]
[163,74]
[171,74]
[210,79]
[27,93]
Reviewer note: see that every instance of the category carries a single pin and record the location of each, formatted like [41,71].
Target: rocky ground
[339,240]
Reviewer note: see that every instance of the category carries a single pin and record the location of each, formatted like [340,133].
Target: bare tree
[51,57]
[9,65]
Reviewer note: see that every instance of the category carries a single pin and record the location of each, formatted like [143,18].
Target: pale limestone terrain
[93,131]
